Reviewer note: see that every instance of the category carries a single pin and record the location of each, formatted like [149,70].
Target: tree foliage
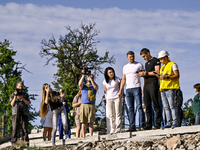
[10,74]
[73,52]
[188,116]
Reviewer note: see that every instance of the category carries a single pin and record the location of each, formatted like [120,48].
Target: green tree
[188,116]
[10,74]
[73,52]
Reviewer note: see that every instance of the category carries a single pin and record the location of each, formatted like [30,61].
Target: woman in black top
[53,99]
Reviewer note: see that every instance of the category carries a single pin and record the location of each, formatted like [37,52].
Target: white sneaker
[66,136]
[118,131]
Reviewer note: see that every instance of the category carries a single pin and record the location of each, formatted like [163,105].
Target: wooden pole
[3,126]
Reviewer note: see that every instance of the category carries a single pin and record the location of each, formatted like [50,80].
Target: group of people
[157,80]
[54,111]
[160,87]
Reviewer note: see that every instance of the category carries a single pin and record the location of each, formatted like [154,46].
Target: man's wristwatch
[167,77]
[146,73]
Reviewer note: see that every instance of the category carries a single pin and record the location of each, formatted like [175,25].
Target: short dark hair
[197,86]
[144,51]
[20,82]
[130,53]
[106,74]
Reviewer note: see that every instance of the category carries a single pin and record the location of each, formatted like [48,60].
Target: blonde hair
[62,91]
[43,106]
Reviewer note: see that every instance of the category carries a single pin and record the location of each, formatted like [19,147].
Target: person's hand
[142,73]
[62,94]
[119,95]
[64,103]
[91,78]
[163,77]
[15,92]
[19,97]
[158,76]
[48,89]
[83,72]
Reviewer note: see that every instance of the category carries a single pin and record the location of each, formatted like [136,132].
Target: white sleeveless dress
[48,119]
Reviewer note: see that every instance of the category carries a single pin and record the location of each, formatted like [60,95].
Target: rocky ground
[174,142]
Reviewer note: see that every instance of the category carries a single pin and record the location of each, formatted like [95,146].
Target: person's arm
[144,73]
[119,84]
[80,83]
[94,84]
[47,98]
[12,103]
[75,102]
[105,89]
[27,102]
[122,85]
[171,77]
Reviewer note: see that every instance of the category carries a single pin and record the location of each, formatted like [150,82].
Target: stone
[94,142]
[168,135]
[34,131]
[141,148]
[128,145]
[116,146]
[189,136]
[129,141]
[121,148]
[75,148]
[178,136]
[181,147]
[161,147]
[191,147]
[196,138]
[110,143]
[148,143]
[175,146]
[171,142]
[87,148]
[149,148]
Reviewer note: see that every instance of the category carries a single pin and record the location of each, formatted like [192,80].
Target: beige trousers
[114,114]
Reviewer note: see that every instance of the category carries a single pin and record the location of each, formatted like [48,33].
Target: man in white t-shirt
[133,90]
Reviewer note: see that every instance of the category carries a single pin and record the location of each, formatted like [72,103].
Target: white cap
[163,53]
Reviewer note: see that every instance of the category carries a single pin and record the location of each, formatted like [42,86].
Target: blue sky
[172,25]
[125,4]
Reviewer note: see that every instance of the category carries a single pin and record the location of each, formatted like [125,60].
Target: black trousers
[179,116]
[151,96]
[16,128]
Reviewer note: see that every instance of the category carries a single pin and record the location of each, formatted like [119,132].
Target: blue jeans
[135,95]
[62,112]
[168,99]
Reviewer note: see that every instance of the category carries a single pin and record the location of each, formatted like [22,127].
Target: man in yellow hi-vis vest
[169,83]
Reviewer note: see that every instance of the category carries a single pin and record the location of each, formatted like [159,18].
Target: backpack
[179,98]
[91,95]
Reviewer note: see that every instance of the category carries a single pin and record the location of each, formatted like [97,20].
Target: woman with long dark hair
[111,86]
[53,99]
